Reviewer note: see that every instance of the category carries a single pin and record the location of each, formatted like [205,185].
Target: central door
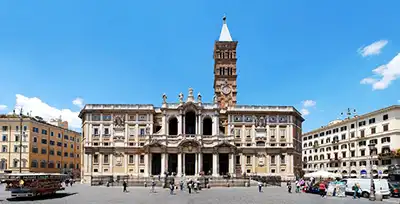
[172,163]
[156,164]
[190,165]
[223,164]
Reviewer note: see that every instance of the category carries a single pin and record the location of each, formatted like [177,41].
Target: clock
[226,90]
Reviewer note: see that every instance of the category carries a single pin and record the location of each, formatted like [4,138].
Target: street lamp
[21,118]
[372,190]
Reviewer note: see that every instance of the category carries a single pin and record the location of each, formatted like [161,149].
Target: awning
[363,171]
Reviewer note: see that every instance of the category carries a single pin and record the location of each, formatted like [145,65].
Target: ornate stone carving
[180,96]
[118,158]
[164,97]
[215,99]
[199,97]
[190,92]
[119,121]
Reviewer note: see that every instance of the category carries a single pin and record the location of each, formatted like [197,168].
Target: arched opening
[173,126]
[3,164]
[260,144]
[207,126]
[190,122]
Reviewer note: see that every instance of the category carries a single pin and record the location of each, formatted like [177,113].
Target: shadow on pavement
[44,197]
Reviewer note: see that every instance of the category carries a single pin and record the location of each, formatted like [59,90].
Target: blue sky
[134,51]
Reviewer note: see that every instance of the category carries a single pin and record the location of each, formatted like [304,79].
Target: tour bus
[33,184]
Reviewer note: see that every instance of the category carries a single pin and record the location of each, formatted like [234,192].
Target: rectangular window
[16,138]
[4,138]
[385,127]
[362,133]
[44,132]
[16,148]
[131,159]
[106,117]
[52,143]
[51,133]
[59,144]
[142,131]
[96,159]
[59,153]
[105,158]
[371,121]
[106,131]
[373,130]
[59,135]
[44,141]
[65,154]
[35,150]
[44,151]
[51,152]
[248,160]
[283,159]
[71,155]
[4,148]
[273,159]
[385,117]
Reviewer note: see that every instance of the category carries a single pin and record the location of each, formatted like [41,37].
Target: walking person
[153,185]
[124,184]
[260,186]
[171,188]
[190,186]
[181,185]
[289,186]
[322,189]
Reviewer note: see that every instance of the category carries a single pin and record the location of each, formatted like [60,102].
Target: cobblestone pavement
[83,194]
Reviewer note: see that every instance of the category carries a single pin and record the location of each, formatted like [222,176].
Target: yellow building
[45,147]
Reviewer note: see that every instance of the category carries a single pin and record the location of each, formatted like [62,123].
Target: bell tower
[225,68]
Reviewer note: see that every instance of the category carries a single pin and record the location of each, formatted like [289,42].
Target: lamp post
[372,189]
[21,118]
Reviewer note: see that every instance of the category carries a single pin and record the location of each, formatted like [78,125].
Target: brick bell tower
[225,76]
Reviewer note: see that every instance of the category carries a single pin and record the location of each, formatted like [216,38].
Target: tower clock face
[226,90]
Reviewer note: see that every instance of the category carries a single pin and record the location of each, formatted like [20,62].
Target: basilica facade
[192,137]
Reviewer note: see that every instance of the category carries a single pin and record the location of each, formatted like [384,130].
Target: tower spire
[225,35]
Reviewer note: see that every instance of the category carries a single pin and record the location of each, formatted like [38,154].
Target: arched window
[3,164]
[173,126]
[321,157]
[310,158]
[43,164]
[305,145]
[260,144]
[34,164]
[315,158]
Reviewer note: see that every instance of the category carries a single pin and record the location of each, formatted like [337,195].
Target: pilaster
[179,173]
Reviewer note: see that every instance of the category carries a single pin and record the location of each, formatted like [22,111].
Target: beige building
[191,137]
[45,147]
[342,146]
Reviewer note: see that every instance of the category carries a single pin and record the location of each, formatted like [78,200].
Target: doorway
[223,164]
[207,163]
[190,165]
[156,164]
[172,163]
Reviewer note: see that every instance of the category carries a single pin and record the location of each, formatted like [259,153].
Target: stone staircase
[146,181]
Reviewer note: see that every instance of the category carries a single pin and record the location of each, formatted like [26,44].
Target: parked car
[394,189]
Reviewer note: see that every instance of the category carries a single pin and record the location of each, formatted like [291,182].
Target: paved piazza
[103,195]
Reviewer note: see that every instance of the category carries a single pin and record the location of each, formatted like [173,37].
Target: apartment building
[354,145]
[45,147]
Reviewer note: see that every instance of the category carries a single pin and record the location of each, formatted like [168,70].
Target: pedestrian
[357,190]
[190,186]
[124,184]
[153,185]
[171,188]
[260,186]
[322,189]
[181,185]
[289,186]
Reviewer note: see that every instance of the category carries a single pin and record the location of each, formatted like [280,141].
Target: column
[100,163]
[278,163]
[231,164]
[254,164]
[87,163]
[111,158]
[162,163]
[292,164]
[200,165]
[196,164]
[214,126]
[243,163]
[146,165]
[215,165]
[183,164]
[166,162]
[200,132]
[179,173]
[137,164]
[183,125]
[180,124]
[126,158]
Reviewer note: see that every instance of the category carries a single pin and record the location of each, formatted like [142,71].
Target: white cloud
[47,112]
[309,103]
[305,112]
[3,107]
[373,49]
[78,102]
[384,74]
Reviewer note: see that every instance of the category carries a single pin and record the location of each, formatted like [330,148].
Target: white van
[381,186]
